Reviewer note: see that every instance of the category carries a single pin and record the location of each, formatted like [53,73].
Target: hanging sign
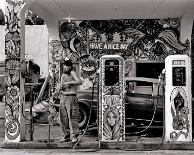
[108,46]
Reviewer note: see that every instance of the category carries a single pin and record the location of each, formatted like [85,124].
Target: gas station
[110,43]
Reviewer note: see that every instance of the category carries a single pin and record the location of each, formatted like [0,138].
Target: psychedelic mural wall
[146,40]
[12,69]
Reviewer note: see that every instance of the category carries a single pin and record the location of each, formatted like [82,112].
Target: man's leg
[64,119]
[73,112]
[74,118]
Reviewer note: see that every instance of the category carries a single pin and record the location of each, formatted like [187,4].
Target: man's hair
[68,63]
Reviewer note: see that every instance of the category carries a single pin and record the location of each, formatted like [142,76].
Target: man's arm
[63,84]
[77,79]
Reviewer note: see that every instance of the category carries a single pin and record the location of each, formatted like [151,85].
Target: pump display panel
[111,72]
[178,76]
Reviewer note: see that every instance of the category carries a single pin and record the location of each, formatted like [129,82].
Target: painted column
[55,54]
[58,46]
[14,55]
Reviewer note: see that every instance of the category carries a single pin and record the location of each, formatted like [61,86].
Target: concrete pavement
[90,141]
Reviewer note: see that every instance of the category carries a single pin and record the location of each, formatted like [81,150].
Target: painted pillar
[55,53]
[58,46]
[14,55]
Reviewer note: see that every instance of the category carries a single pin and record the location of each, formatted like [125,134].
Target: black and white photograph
[96,77]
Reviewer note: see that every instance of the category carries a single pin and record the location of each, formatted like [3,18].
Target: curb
[51,145]
[95,145]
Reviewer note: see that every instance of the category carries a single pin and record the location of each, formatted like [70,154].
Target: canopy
[110,9]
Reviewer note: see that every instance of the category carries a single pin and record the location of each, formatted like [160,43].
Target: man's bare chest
[67,78]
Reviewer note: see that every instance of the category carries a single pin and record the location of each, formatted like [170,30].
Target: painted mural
[55,55]
[180,112]
[146,40]
[12,67]
[86,42]
[112,125]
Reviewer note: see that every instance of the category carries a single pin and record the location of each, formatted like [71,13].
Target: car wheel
[83,116]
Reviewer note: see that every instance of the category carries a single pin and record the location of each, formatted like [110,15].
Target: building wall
[36,45]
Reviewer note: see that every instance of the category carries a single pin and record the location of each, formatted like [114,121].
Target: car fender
[83,102]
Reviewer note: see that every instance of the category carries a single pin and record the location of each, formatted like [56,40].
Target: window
[148,70]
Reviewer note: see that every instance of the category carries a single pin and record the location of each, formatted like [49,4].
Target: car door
[142,102]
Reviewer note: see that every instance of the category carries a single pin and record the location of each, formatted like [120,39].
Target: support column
[58,49]
[14,55]
[55,53]
[187,24]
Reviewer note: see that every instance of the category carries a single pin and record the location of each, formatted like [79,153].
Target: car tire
[83,116]
[1,98]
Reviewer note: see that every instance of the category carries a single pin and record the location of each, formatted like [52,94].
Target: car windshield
[133,87]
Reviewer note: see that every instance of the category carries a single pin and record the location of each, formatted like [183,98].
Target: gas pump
[111,99]
[178,108]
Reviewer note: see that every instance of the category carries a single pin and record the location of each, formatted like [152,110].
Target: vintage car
[139,107]
[144,106]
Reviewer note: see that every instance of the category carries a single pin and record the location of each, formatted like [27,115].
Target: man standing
[68,103]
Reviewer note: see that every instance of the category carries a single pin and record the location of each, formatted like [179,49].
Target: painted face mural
[112,124]
[111,118]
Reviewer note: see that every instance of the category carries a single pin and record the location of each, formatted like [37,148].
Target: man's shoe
[74,140]
[64,140]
